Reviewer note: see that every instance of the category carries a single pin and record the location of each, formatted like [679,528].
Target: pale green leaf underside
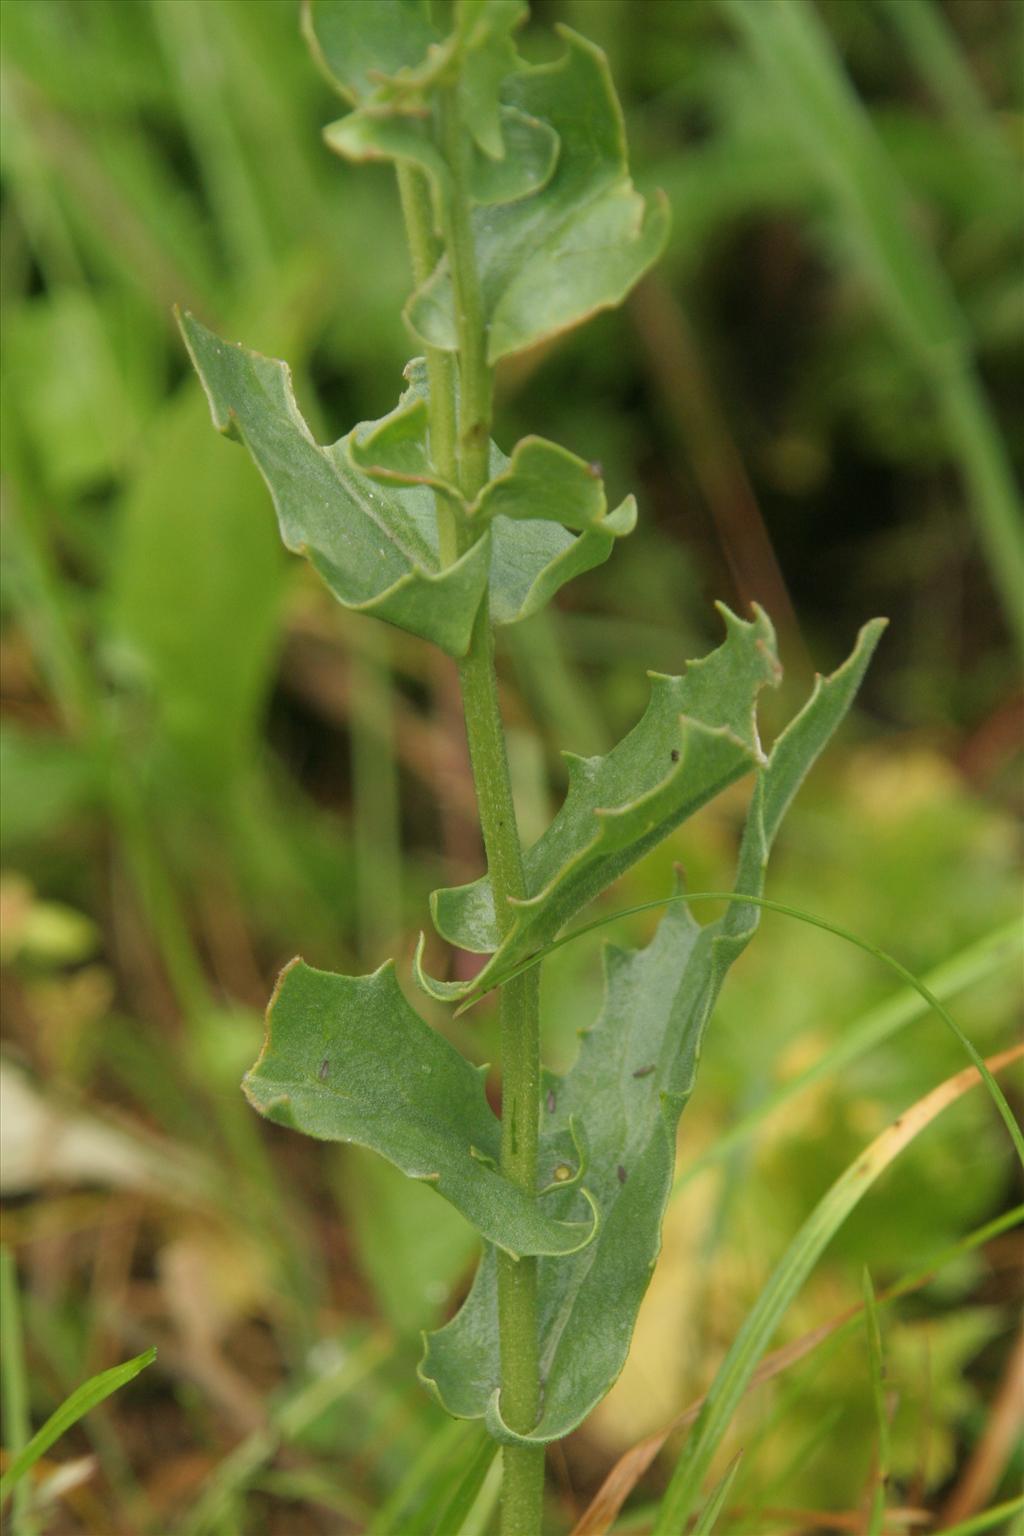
[657,1004]
[376,545]
[347,1059]
[697,736]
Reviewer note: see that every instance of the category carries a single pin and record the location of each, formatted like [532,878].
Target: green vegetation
[211,762]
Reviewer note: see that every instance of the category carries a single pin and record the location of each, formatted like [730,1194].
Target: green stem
[519,1002]
[519,1007]
[15,1386]
[476,379]
[425,249]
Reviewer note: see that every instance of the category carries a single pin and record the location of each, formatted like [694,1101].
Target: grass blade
[876,1519]
[743,899]
[975,963]
[459,1508]
[600,1514]
[789,1275]
[987,1519]
[15,1381]
[832,129]
[70,1411]
[713,1508]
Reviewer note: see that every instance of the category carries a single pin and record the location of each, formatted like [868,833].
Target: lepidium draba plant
[521,221]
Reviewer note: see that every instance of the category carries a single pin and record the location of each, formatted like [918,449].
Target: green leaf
[372,534]
[627,1089]
[355,44]
[346,1059]
[697,736]
[707,1521]
[541,482]
[85,1397]
[527,163]
[394,60]
[376,551]
[546,482]
[559,230]
[575,246]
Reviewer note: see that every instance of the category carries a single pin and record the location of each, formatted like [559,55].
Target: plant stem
[519,1001]
[425,250]
[15,1387]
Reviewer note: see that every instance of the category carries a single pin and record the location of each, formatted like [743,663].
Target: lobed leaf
[372,533]
[580,242]
[390,67]
[696,737]
[559,230]
[634,1074]
[347,1059]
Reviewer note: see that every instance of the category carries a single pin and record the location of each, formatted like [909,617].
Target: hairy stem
[462,456]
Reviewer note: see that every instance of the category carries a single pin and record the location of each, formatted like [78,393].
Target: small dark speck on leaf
[622,1175]
[322,1073]
[674,754]
[644,1071]
[550,1101]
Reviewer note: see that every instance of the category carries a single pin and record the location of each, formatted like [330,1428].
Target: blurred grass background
[207,767]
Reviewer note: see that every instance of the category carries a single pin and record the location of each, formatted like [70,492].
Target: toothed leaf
[347,1059]
[697,736]
[633,1076]
[532,554]
[373,538]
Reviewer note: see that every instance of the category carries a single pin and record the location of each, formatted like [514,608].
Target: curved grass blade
[831,130]
[708,1520]
[876,1362]
[459,1506]
[974,963]
[787,1278]
[743,899]
[988,1519]
[600,1514]
[84,1398]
